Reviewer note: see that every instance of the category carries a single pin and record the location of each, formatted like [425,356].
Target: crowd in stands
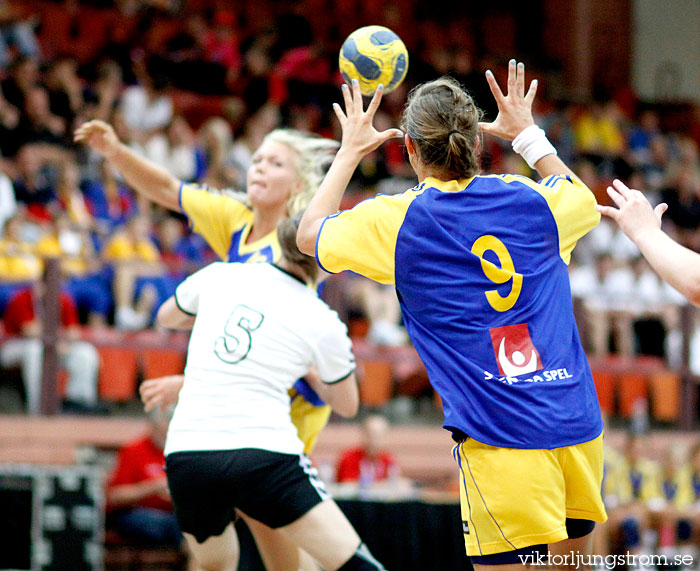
[653,504]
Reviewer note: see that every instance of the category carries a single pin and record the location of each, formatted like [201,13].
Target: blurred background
[194,85]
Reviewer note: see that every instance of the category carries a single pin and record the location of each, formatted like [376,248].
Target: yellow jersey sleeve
[363,239]
[573,207]
[214,215]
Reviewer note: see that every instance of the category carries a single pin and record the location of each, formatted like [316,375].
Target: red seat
[665,388]
[632,387]
[161,362]
[605,387]
[118,371]
[376,383]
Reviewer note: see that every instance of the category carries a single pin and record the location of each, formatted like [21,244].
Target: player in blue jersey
[480,265]
[240,227]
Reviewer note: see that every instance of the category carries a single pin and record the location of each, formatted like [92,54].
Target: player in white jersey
[256,328]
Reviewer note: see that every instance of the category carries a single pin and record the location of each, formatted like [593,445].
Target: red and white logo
[514,350]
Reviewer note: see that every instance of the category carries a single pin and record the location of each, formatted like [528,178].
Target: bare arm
[160,392]
[676,264]
[145,177]
[359,138]
[172,317]
[343,396]
[515,115]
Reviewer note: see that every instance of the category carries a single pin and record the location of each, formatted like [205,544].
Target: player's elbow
[306,242]
[346,400]
[692,291]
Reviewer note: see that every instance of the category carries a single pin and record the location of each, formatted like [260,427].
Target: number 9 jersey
[480,267]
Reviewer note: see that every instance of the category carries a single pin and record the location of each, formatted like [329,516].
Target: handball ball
[373,55]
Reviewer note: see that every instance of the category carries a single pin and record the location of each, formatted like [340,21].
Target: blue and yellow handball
[373,55]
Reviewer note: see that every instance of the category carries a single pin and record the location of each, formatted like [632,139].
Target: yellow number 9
[498,275]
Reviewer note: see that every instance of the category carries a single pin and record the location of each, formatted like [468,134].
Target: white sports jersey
[258,329]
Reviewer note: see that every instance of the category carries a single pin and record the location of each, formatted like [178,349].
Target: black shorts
[207,487]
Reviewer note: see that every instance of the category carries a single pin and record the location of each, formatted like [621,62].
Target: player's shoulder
[224,269]
[324,320]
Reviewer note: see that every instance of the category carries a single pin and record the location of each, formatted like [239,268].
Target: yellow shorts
[309,419]
[513,498]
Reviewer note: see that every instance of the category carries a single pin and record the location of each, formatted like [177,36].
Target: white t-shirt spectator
[143,114]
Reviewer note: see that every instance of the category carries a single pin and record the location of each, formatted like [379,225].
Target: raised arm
[147,178]
[676,264]
[359,138]
[515,123]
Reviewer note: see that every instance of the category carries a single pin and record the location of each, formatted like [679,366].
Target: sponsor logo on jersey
[465,527]
[515,353]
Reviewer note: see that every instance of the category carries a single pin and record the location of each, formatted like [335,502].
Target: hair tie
[452,131]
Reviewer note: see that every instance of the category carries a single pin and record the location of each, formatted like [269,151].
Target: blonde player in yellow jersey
[240,227]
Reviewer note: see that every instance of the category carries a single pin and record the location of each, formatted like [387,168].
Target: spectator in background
[640,494]
[65,90]
[138,499]
[181,252]
[674,520]
[221,47]
[9,121]
[70,196]
[16,34]
[8,202]
[147,106]
[102,97]
[137,273]
[598,132]
[695,483]
[683,199]
[38,123]
[640,137]
[607,306]
[22,75]
[109,200]
[19,264]
[175,150]
[370,462]
[85,281]
[23,322]
[33,185]
[380,306]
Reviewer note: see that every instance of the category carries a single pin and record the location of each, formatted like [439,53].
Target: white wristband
[532,144]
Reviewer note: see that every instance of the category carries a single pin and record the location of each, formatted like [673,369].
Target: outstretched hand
[514,108]
[98,135]
[634,214]
[359,134]
[160,392]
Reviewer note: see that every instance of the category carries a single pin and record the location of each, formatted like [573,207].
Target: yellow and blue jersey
[640,482]
[480,269]
[695,486]
[678,488]
[224,220]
